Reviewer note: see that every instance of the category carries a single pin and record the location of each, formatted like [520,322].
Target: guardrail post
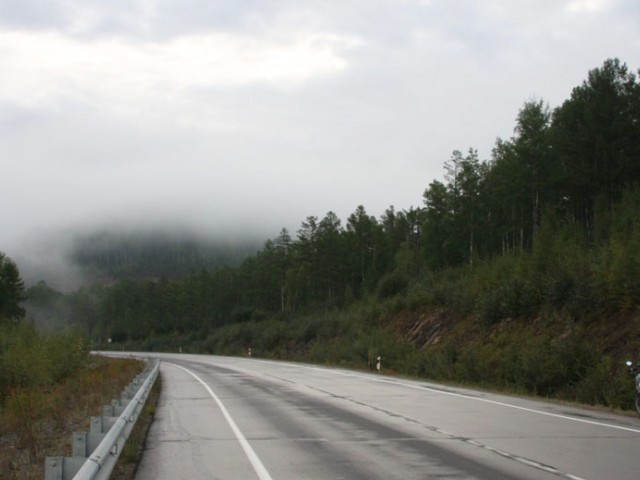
[118,407]
[107,411]
[128,394]
[102,424]
[96,425]
[62,468]
[79,444]
[53,468]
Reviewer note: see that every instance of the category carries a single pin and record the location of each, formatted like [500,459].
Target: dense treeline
[528,262]
[151,255]
[572,171]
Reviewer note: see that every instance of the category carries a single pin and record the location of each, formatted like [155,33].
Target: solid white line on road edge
[516,458]
[257,465]
[477,399]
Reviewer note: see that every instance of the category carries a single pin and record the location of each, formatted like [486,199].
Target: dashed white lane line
[477,399]
[442,392]
[516,458]
[475,443]
[255,461]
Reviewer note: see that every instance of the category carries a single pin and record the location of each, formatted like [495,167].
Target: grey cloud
[31,14]
[137,19]
[425,78]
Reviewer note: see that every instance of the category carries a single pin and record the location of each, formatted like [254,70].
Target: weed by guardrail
[50,386]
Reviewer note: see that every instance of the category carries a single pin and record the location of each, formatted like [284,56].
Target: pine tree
[12,291]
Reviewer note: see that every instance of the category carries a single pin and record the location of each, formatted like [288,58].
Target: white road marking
[477,399]
[517,458]
[475,443]
[256,463]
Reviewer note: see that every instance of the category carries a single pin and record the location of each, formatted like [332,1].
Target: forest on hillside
[519,271]
[565,182]
[108,256]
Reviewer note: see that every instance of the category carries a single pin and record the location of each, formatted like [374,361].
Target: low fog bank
[69,259]
[44,255]
[145,244]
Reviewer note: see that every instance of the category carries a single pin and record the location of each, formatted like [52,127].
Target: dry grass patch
[37,421]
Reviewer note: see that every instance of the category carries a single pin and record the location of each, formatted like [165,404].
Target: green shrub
[438,362]
[604,385]
[624,273]
[28,358]
[392,284]
[514,298]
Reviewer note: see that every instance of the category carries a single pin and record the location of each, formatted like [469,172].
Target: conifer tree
[12,291]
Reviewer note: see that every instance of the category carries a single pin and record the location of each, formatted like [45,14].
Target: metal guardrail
[96,452]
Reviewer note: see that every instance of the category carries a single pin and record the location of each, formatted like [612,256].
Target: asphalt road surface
[243,418]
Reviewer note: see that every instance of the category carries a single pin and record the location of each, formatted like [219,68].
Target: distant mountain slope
[116,256]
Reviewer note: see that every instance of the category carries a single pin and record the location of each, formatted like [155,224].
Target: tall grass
[49,386]
[32,359]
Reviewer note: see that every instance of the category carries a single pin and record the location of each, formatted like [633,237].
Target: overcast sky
[250,115]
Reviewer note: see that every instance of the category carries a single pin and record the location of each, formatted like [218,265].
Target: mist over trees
[12,291]
[562,189]
[112,256]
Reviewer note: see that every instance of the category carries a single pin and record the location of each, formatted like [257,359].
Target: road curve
[242,418]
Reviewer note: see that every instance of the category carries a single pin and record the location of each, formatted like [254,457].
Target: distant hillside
[519,273]
[109,256]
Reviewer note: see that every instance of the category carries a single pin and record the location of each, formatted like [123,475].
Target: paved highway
[235,418]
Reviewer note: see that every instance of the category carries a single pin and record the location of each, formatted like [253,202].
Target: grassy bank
[50,385]
[549,353]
